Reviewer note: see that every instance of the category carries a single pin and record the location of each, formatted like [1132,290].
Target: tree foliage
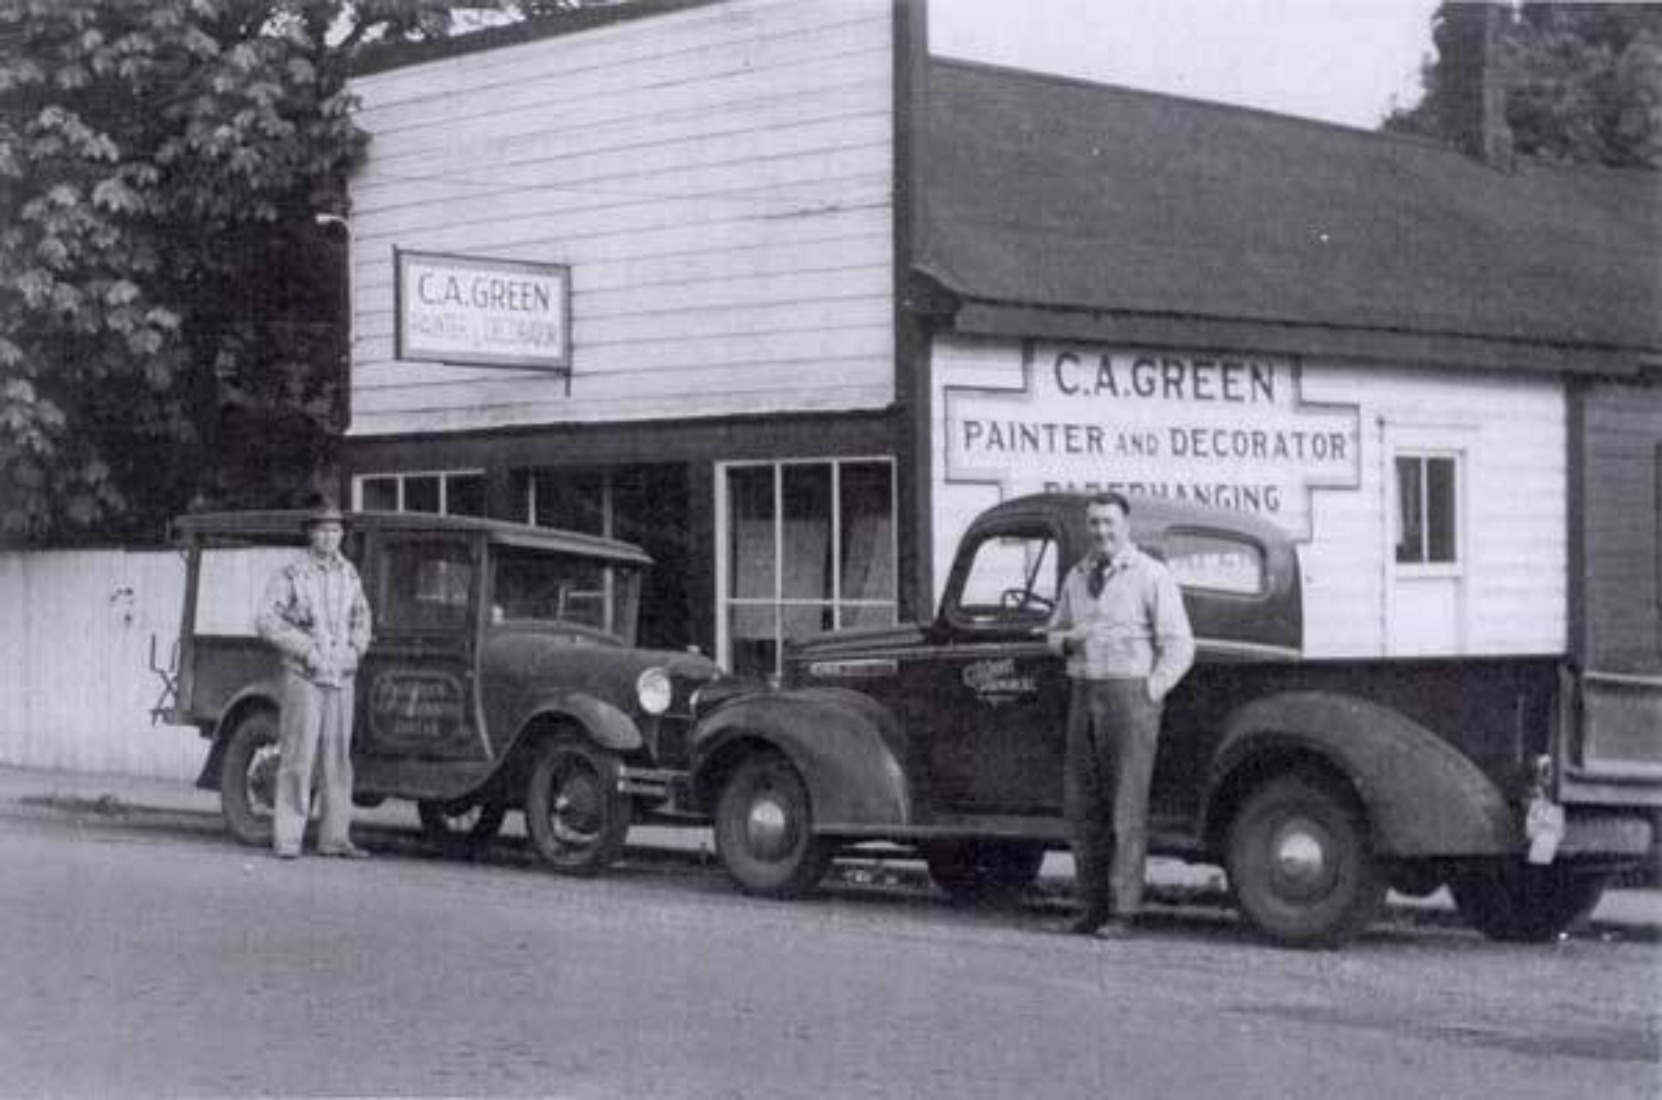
[171,313]
[1583,83]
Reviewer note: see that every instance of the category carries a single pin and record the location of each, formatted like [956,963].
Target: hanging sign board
[483,312]
[1227,430]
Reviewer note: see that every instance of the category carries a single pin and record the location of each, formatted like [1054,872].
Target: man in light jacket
[1120,622]
[315,614]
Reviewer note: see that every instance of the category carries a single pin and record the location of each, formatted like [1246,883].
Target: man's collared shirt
[314,611]
[1136,627]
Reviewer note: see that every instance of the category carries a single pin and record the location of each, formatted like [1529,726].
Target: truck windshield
[534,586]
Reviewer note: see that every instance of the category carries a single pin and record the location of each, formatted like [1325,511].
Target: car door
[416,687]
[999,695]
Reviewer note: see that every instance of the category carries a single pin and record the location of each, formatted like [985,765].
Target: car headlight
[653,691]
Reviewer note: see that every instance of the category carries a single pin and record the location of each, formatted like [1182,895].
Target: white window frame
[399,476]
[724,601]
[1462,543]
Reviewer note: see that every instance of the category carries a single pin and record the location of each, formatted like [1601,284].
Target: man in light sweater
[1120,622]
[315,615]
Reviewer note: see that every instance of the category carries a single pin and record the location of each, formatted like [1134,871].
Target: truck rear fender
[261,694]
[1422,797]
[835,739]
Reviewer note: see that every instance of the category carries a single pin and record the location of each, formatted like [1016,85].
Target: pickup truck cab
[502,676]
[1315,783]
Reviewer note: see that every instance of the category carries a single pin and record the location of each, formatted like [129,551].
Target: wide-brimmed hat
[322,509]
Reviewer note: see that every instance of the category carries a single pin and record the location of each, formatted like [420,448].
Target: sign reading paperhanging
[483,312]
[1231,431]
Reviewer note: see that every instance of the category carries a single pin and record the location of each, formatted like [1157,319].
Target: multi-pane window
[808,546]
[1427,509]
[440,493]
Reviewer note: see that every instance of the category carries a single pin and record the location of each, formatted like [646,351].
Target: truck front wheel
[575,814]
[764,829]
[248,778]
[1515,902]
[1299,863]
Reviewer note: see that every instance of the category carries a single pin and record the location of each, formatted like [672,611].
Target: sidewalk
[394,825]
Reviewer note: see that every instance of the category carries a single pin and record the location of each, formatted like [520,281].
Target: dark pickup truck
[1522,783]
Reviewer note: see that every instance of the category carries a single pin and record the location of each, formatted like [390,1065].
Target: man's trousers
[314,737]
[1113,730]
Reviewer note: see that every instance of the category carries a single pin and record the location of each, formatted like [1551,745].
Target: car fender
[261,693]
[607,725]
[841,742]
[1423,797]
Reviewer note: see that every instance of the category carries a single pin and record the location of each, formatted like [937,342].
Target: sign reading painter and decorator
[1227,430]
[483,312]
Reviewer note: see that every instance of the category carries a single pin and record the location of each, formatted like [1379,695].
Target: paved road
[139,960]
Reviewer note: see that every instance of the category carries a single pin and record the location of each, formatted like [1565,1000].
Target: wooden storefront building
[783,298]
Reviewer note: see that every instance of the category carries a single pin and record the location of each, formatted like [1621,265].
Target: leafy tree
[170,310]
[1583,83]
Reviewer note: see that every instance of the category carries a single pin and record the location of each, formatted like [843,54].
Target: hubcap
[767,827]
[576,813]
[1299,860]
[260,781]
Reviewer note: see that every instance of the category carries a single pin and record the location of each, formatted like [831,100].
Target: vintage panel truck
[502,676]
[1523,783]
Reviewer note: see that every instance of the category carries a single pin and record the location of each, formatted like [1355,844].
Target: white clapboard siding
[75,682]
[720,181]
[1511,428]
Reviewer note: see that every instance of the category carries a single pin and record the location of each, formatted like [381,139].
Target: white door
[1427,541]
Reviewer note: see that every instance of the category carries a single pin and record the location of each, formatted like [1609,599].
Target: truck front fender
[261,693]
[836,740]
[606,725]
[1423,798]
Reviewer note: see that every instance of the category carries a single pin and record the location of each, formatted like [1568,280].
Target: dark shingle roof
[1056,193]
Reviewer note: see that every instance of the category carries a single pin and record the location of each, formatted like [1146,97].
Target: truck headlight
[654,691]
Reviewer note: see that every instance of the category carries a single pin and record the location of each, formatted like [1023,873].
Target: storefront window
[809,547]
[439,493]
[645,505]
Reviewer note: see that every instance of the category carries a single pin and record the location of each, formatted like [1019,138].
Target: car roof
[288,528]
[1148,514]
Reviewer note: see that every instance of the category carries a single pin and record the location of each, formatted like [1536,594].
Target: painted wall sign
[483,312]
[1226,430]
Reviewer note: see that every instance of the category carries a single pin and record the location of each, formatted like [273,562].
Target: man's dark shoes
[1085,924]
[1119,928]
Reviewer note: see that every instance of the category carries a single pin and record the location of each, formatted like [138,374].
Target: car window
[426,585]
[1216,562]
[564,588]
[1012,576]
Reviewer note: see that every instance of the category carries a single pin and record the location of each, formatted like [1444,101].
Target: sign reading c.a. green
[483,312]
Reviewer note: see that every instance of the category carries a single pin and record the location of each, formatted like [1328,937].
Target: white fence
[76,688]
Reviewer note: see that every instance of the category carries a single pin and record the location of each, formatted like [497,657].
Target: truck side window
[1011,576]
[426,586]
[1215,562]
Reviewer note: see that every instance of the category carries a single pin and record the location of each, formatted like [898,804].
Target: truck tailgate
[1614,752]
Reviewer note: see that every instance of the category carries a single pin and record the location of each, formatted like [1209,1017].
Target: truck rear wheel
[248,778]
[1299,864]
[764,829]
[983,872]
[576,816]
[1516,902]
